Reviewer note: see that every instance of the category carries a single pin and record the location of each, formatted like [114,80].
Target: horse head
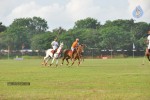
[61,44]
[84,45]
[80,48]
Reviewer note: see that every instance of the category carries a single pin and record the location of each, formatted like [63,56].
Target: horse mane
[79,48]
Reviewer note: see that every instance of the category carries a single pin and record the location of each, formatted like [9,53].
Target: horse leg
[43,63]
[73,61]
[46,58]
[82,58]
[57,62]
[63,60]
[147,54]
[148,57]
[67,61]
[52,61]
[78,61]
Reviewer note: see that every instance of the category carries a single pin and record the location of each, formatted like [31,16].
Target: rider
[148,41]
[54,45]
[74,46]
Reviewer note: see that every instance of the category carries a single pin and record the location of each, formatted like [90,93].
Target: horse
[147,53]
[76,55]
[82,54]
[49,54]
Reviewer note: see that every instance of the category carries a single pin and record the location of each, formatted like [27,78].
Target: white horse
[49,55]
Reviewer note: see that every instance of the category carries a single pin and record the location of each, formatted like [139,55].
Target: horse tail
[64,50]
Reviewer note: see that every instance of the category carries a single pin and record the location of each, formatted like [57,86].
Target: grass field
[111,79]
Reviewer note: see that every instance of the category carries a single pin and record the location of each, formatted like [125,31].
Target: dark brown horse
[147,53]
[77,55]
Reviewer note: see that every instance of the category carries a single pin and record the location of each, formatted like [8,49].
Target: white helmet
[77,39]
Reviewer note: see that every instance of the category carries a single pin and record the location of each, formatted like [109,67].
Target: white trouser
[54,47]
[149,46]
[72,49]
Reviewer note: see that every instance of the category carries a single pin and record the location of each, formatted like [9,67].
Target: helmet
[55,39]
[77,39]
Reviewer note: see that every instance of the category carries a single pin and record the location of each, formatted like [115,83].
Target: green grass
[112,79]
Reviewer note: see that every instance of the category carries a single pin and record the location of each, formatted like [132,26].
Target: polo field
[94,79]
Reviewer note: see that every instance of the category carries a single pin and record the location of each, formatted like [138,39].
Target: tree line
[32,33]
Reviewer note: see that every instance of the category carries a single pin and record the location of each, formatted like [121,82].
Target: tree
[18,37]
[37,25]
[88,36]
[33,25]
[2,27]
[23,29]
[58,31]
[139,31]
[115,38]
[2,35]
[42,41]
[87,23]
[125,24]
[67,38]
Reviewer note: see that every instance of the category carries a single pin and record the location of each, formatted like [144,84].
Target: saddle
[53,51]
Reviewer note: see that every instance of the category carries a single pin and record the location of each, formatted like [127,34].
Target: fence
[89,52]
[99,53]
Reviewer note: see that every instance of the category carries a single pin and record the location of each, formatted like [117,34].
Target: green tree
[23,29]
[115,38]
[139,31]
[87,23]
[42,41]
[37,25]
[2,27]
[125,24]
[18,35]
[67,39]
[2,36]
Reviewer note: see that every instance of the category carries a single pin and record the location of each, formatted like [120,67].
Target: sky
[64,13]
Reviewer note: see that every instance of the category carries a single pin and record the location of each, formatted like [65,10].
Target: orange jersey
[74,44]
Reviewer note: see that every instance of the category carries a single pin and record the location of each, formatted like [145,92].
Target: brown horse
[76,55]
[147,53]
